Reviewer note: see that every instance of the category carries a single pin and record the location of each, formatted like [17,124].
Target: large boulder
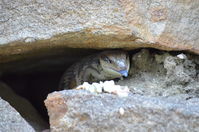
[82,111]
[11,120]
[39,27]
[23,106]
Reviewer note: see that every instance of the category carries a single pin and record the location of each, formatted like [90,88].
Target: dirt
[163,74]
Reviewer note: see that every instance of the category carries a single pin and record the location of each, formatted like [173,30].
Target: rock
[163,74]
[179,71]
[11,120]
[78,110]
[29,28]
[24,107]
[105,87]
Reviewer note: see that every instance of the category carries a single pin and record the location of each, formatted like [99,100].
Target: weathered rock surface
[157,73]
[23,106]
[35,28]
[11,120]
[77,110]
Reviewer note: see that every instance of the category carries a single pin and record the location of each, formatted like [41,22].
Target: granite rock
[11,120]
[23,106]
[79,111]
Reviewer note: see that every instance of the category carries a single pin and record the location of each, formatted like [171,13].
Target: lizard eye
[107,59]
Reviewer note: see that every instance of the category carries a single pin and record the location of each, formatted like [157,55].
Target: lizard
[106,65]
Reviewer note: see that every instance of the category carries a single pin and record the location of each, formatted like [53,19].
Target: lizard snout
[124,73]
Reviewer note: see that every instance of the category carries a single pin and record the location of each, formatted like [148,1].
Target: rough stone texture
[157,73]
[25,108]
[81,111]
[39,27]
[11,120]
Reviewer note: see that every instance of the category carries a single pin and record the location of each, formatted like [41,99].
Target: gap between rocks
[152,73]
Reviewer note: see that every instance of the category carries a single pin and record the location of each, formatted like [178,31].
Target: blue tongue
[124,73]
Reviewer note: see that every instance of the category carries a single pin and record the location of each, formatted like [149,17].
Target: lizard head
[115,63]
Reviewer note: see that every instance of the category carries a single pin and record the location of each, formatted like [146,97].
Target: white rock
[121,111]
[97,87]
[182,56]
[107,86]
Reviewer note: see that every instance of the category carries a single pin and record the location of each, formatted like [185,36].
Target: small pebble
[182,56]
[121,111]
[107,86]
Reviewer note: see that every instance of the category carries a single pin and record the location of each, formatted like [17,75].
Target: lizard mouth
[115,73]
[124,73]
